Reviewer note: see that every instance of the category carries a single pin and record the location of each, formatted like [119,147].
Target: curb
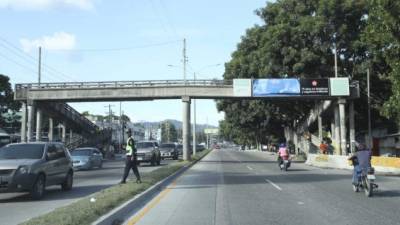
[123,212]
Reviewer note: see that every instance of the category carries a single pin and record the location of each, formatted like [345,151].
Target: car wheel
[67,184]
[38,188]
[159,161]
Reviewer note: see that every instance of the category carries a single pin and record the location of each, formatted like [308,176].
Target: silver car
[147,151]
[30,167]
[87,158]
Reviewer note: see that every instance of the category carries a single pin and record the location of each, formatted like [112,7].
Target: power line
[168,18]
[19,64]
[30,59]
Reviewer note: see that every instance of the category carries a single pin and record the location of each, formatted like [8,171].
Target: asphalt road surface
[234,187]
[16,208]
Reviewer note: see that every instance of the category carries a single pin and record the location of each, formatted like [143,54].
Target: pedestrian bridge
[35,95]
[124,90]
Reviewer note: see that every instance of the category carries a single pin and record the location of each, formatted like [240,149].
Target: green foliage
[168,132]
[298,40]
[7,100]
[383,37]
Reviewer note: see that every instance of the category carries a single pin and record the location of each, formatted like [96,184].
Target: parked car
[87,158]
[169,150]
[31,167]
[147,151]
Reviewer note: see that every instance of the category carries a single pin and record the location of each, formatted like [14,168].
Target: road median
[98,207]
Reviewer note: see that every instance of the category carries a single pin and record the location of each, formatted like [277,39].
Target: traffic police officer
[131,159]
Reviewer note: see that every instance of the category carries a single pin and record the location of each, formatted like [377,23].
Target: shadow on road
[55,193]
[386,194]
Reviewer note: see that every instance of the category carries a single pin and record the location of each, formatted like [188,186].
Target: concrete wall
[381,164]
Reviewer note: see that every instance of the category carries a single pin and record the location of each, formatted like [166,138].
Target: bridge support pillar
[186,127]
[30,124]
[342,112]
[51,128]
[38,124]
[351,126]
[319,121]
[337,129]
[23,122]
[63,131]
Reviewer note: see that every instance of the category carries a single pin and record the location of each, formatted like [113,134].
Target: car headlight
[23,169]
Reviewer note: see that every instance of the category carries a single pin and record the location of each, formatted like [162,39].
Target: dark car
[30,167]
[169,150]
[87,158]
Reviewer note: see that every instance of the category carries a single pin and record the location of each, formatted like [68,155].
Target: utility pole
[369,112]
[109,116]
[40,66]
[120,125]
[194,120]
[184,61]
[123,129]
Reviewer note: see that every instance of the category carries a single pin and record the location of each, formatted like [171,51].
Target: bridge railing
[123,84]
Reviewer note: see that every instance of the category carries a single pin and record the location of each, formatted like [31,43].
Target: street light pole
[369,112]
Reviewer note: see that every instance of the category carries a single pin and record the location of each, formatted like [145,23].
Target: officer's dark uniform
[131,159]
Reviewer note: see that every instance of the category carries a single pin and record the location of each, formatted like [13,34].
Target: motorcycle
[284,164]
[366,181]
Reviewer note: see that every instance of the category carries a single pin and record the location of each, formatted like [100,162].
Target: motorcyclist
[361,160]
[283,153]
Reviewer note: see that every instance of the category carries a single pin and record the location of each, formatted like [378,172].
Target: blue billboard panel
[275,87]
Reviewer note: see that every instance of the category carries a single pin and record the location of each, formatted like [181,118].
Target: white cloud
[46,4]
[58,41]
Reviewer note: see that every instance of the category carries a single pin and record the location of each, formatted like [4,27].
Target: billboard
[242,87]
[211,130]
[339,86]
[276,87]
[314,87]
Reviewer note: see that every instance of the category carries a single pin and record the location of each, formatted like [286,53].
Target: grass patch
[85,212]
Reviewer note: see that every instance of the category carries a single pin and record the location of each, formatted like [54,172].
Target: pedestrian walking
[131,159]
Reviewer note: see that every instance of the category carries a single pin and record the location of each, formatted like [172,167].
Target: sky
[100,40]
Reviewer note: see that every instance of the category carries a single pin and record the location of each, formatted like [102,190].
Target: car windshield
[144,145]
[81,152]
[167,146]
[22,151]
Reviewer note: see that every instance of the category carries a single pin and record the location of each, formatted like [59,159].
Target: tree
[297,40]
[7,102]
[383,37]
[168,132]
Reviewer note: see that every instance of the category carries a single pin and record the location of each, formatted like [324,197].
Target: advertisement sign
[314,87]
[211,131]
[339,86]
[275,87]
[242,87]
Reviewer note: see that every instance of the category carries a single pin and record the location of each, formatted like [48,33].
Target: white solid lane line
[273,184]
[249,168]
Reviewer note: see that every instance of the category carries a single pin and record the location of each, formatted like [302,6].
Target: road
[234,187]
[16,208]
